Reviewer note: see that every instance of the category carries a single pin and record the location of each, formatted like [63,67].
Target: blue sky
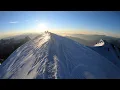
[93,21]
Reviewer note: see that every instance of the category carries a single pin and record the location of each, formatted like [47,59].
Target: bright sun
[42,27]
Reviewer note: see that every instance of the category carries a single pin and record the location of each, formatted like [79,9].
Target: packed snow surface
[50,56]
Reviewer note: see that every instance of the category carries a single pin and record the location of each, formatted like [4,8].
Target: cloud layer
[13,22]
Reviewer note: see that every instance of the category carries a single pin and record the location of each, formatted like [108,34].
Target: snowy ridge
[100,43]
[50,56]
[109,51]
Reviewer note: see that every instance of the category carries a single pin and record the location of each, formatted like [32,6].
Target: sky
[85,22]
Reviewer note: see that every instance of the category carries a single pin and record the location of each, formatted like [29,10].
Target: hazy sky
[99,22]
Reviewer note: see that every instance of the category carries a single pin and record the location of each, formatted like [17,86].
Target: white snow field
[50,56]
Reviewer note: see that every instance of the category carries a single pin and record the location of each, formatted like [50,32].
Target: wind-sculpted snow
[50,56]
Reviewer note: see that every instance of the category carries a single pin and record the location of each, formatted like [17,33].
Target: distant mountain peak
[101,43]
[101,40]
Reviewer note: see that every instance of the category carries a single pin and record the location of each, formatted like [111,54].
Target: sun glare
[42,27]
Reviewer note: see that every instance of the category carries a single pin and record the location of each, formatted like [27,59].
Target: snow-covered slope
[53,56]
[109,51]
